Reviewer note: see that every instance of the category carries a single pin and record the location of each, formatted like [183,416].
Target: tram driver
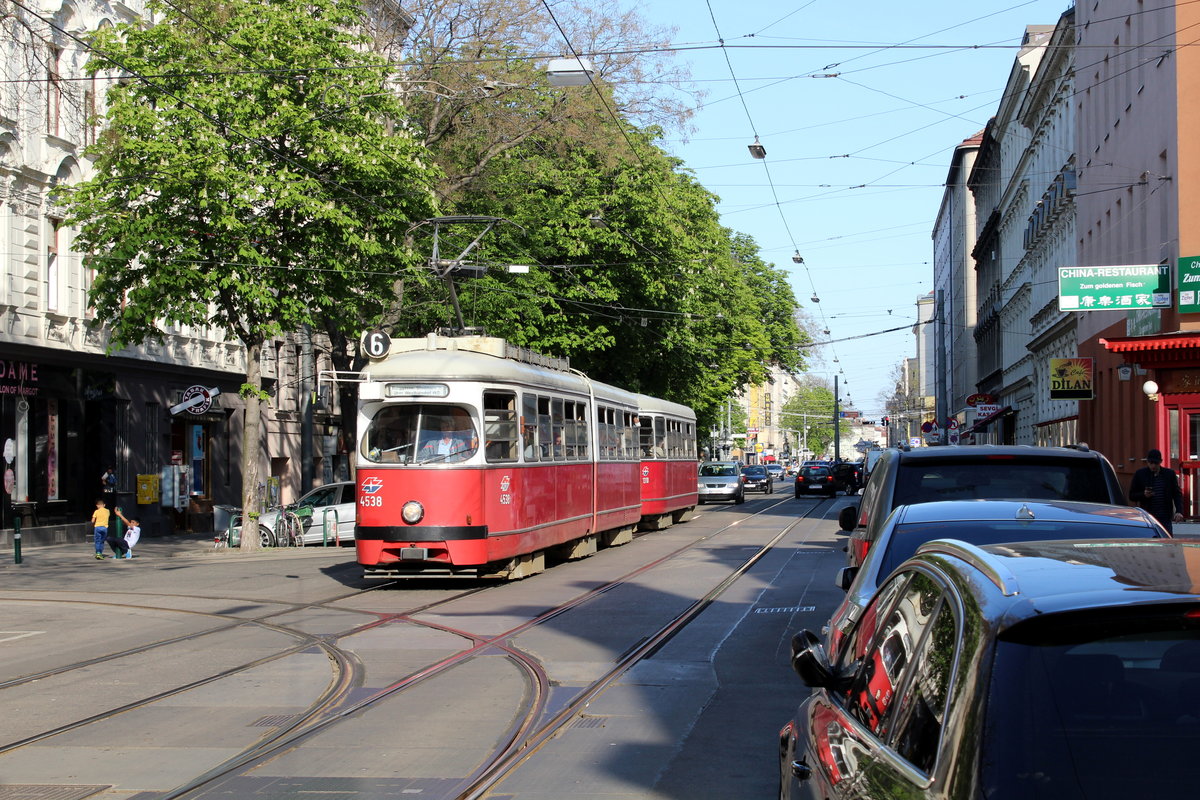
[451,445]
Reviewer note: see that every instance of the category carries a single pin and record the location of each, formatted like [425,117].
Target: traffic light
[886,421]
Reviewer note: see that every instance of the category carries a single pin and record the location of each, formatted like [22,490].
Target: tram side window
[674,439]
[660,437]
[689,440]
[529,423]
[581,437]
[545,437]
[500,426]
[629,451]
[606,447]
[646,436]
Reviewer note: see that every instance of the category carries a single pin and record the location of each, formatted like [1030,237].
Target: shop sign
[195,400]
[1115,288]
[18,377]
[1071,379]
[984,410]
[1189,285]
[975,399]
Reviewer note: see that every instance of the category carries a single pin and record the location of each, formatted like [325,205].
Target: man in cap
[1156,489]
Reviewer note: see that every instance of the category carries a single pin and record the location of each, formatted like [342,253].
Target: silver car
[721,480]
[324,504]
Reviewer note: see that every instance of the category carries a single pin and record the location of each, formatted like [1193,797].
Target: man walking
[1156,489]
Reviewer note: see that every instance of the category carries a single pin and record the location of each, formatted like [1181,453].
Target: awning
[980,424]
[1165,350]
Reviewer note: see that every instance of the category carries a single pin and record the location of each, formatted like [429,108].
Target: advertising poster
[1071,379]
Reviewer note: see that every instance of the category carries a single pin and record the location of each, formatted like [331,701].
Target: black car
[1029,671]
[816,479]
[756,478]
[978,472]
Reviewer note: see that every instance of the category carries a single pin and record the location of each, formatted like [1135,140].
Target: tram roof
[487,359]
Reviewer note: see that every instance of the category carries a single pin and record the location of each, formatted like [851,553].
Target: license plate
[814,486]
[414,554]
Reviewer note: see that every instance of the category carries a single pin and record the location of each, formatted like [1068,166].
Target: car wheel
[699,501]
[740,498]
[265,537]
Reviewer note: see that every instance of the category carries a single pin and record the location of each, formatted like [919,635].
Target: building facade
[70,406]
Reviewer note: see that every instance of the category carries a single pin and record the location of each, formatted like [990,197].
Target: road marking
[788,610]
[8,636]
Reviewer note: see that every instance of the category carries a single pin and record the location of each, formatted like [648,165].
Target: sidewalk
[177,545]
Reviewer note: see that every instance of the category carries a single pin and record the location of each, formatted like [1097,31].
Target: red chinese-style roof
[1179,340]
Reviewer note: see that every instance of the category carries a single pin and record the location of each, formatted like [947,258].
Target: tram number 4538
[370,500]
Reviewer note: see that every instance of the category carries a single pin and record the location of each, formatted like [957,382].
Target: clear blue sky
[856,161]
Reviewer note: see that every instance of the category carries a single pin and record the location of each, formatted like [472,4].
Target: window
[437,434]
[54,91]
[885,664]
[500,426]
[556,424]
[545,437]
[923,702]
[646,436]
[529,426]
[50,279]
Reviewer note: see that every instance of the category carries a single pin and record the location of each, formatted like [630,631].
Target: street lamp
[570,71]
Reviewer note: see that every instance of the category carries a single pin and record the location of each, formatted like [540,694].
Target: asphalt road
[136,679]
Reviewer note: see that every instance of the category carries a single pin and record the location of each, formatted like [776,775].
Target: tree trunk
[251,445]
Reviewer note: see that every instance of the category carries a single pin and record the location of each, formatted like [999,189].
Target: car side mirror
[809,660]
[845,577]
[848,518]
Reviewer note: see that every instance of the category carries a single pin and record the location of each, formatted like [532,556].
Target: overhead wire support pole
[447,268]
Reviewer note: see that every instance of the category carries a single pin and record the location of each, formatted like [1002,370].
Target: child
[100,528]
[132,534]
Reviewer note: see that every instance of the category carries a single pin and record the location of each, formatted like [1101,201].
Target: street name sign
[1115,288]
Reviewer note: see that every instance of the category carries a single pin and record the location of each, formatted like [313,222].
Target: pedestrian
[1156,489]
[100,519]
[133,532]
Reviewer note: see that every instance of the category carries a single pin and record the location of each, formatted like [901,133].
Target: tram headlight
[412,512]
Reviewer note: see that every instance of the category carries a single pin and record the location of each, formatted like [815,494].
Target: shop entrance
[1183,432]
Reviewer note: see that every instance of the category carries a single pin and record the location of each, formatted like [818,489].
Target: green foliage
[810,411]
[249,177]
[633,277]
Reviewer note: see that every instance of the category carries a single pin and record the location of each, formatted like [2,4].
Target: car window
[755,471]
[885,663]
[922,704]
[815,472]
[905,539]
[1091,684]
[997,477]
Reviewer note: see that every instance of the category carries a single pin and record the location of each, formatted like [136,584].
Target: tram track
[529,730]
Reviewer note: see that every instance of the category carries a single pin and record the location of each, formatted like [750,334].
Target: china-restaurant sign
[1071,379]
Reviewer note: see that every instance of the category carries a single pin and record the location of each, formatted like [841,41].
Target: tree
[252,178]
[810,411]
[476,93]
[633,277]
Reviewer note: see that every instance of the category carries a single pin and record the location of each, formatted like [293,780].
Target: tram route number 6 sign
[376,344]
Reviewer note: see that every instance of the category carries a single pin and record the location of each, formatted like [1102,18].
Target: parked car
[816,479]
[978,472]
[977,522]
[311,509]
[720,480]
[756,478]
[1010,672]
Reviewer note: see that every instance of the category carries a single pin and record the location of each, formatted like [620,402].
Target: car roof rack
[985,562]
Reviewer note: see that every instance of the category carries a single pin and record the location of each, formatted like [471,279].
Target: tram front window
[420,434]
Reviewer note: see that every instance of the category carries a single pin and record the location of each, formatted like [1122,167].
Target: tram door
[1184,423]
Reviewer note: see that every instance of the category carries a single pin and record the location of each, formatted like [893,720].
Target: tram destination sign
[1115,288]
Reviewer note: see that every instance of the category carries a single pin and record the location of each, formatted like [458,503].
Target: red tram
[476,457]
